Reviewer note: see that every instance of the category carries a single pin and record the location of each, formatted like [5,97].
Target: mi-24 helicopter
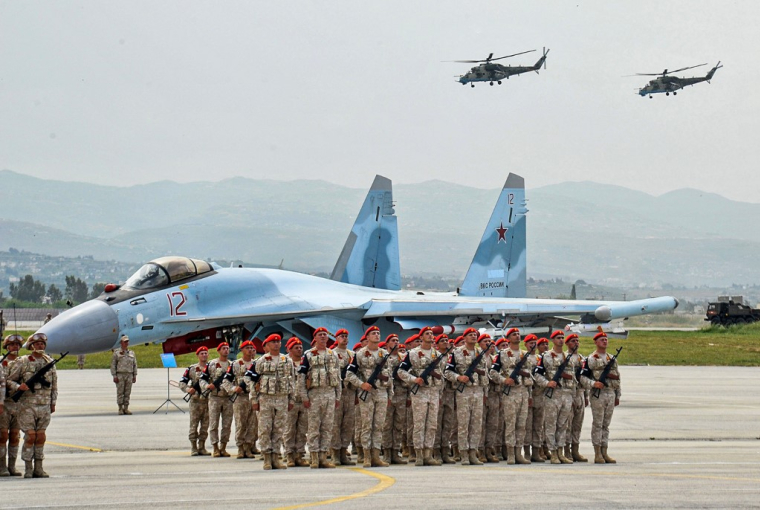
[491,72]
[667,83]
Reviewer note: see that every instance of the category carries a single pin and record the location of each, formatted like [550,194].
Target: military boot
[126,409]
[598,458]
[249,451]
[474,460]
[240,452]
[254,450]
[481,455]
[412,454]
[505,452]
[510,455]
[526,450]
[536,455]
[547,453]
[446,457]
[457,456]
[376,460]
[202,448]
[193,448]
[607,458]
[314,464]
[465,459]
[28,469]
[300,461]
[216,451]
[359,454]
[267,461]
[490,455]
[3,468]
[345,458]
[519,459]
[437,455]
[428,458]
[561,456]
[367,463]
[404,450]
[419,459]
[542,454]
[554,457]
[277,462]
[577,457]
[387,455]
[223,450]
[396,458]
[121,409]
[38,471]
[568,452]
[12,454]
[291,459]
[323,462]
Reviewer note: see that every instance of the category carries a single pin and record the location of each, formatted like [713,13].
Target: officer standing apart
[124,373]
[219,405]
[374,407]
[425,402]
[190,383]
[343,426]
[234,384]
[34,408]
[471,400]
[604,405]
[320,385]
[9,427]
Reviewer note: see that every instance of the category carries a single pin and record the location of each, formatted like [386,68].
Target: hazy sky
[124,93]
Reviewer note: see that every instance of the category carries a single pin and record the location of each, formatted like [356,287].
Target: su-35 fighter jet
[184,303]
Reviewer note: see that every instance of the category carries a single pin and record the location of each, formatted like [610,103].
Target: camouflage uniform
[447,418]
[34,409]
[272,388]
[320,384]
[516,403]
[372,409]
[394,427]
[603,406]
[219,405]
[535,433]
[9,418]
[489,411]
[425,402]
[245,418]
[556,409]
[343,426]
[494,418]
[198,404]
[124,366]
[469,402]
[578,407]
[298,424]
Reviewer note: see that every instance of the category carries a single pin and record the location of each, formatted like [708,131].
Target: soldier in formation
[219,405]
[394,428]
[343,424]
[297,427]
[124,373]
[190,384]
[245,418]
[9,425]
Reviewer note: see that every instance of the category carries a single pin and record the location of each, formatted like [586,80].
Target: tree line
[34,291]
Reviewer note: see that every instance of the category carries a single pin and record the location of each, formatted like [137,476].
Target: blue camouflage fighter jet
[184,303]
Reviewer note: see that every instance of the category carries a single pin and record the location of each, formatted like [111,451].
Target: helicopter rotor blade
[685,68]
[513,55]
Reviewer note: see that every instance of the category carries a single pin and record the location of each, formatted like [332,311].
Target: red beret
[500,341]
[468,331]
[371,329]
[601,334]
[529,338]
[571,337]
[274,337]
[201,349]
[513,330]
[442,336]
[458,340]
[341,332]
[422,331]
[411,339]
[319,330]
[381,344]
[291,342]
[223,344]
[357,347]
[542,341]
[484,336]
[246,344]
[389,337]
[558,332]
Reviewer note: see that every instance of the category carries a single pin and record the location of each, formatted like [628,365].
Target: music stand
[169,362]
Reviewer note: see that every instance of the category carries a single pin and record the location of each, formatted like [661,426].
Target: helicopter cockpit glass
[148,276]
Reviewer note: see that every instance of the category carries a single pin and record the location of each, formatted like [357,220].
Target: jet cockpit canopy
[166,270]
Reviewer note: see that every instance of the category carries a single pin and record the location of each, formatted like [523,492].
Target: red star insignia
[502,233]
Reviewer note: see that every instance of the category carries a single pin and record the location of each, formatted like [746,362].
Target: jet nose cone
[90,327]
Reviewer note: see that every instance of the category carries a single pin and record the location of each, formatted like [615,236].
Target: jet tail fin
[370,256]
[498,268]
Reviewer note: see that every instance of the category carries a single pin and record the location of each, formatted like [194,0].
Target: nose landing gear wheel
[499,82]
[472,85]
[492,84]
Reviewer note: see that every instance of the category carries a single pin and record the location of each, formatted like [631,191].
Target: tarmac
[684,437]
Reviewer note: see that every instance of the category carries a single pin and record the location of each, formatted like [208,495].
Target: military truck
[731,310]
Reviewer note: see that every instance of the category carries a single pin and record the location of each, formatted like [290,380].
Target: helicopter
[491,72]
[667,83]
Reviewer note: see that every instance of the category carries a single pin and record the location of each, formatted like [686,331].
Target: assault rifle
[429,370]
[516,371]
[473,367]
[376,374]
[197,387]
[235,395]
[38,378]
[605,373]
[558,374]
[217,384]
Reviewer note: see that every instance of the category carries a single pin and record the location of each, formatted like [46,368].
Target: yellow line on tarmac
[75,446]
[385,482]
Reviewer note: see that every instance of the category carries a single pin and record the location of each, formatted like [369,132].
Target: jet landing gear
[492,84]
[499,82]
[472,85]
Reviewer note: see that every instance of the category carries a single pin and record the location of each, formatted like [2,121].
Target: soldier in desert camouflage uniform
[34,408]
[410,343]
[374,407]
[356,440]
[9,426]
[394,427]
[343,426]
[604,405]
[271,380]
[219,405]
[490,407]
[234,384]
[446,423]
[577,409]
[297,426]
[534,427]
[320,386]
[190,383]
[124,373]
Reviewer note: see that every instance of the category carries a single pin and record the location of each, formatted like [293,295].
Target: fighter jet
[184,303]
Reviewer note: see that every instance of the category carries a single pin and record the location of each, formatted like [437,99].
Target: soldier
[556,408]
[9,427]
[34,407]
[494,412]
[343,427]
[499,446]
[320,385]
[219,405]
[577,409]
[124,373]
[271,382]
[356,439]
[48,318]
[534,428]
[190,383]
[426,400]
[234,384]
[517,401]
[604,405]
[295,431]
[374,407]
[410,343]
[470,401]
[446,411]
[80,361]
[394,427]
[485,342]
